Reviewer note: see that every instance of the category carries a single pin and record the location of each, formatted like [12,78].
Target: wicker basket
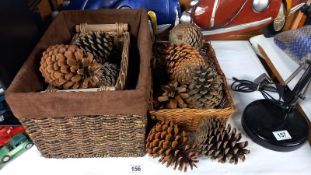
[67,124]
[190,118]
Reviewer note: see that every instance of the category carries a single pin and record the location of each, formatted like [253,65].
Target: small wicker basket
[189,119]
[119,32]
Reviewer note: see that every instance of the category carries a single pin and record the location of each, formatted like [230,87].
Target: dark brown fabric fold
[26,100]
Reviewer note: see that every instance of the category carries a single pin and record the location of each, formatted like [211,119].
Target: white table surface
[236,59]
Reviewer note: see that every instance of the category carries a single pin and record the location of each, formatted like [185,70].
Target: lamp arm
[302,83]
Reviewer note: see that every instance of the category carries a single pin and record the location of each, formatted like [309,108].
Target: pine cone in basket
[167,141]
[173,96]
[99,44]
[67,67]
[186,34]
[219,142]
[205,89]
[110,74]
[181,60]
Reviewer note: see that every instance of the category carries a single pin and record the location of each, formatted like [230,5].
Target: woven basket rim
[228,93]
[194,110]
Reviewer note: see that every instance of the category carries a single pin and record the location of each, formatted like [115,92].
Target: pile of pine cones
[213,140]
[85,63]
[193,83]
[185,78]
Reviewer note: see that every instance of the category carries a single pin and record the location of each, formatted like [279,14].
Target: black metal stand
[280,128]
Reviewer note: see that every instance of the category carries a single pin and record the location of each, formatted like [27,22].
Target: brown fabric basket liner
[189,119]
[26,101]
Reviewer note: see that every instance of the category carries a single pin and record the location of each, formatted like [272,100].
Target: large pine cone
[181,61]
[205,89]
[219,142]
[173,96]
[167,141]
[67,67]
[186,34]
[98,43]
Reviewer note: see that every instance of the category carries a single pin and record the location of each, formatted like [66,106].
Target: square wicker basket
[189,119]
[121,42]
[87,124]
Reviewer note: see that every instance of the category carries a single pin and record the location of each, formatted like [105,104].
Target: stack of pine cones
[85,63]
[193,82]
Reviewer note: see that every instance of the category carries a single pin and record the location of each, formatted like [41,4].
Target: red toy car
[7,132]
[217,17]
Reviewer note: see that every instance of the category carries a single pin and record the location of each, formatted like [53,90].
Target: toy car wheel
[5,159]
[28,146]
[278,24]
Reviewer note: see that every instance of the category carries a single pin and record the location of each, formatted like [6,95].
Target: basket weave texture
[88,136]
[189,119]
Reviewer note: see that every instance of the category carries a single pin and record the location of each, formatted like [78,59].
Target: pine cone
[219,142]
[186,34]
[67,67]
[98,43]
[110,74]
[181,60]
[205,89]
[167,141]
[159,53]
[173,96]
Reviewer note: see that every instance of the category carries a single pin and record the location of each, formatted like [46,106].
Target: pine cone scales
[205,89]
[219,142]
[110,74]
[181,60]
[186,34]
[167,141]
[173,96]
[98,43]
[67,67]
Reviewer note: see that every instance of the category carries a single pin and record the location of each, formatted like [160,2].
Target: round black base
[273,127]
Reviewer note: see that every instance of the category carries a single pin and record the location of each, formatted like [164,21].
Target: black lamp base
[273,127]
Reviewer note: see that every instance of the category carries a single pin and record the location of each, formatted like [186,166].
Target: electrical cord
[262,84]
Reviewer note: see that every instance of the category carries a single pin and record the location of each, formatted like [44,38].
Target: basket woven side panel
[121,80]
[189,119]
[88,136]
